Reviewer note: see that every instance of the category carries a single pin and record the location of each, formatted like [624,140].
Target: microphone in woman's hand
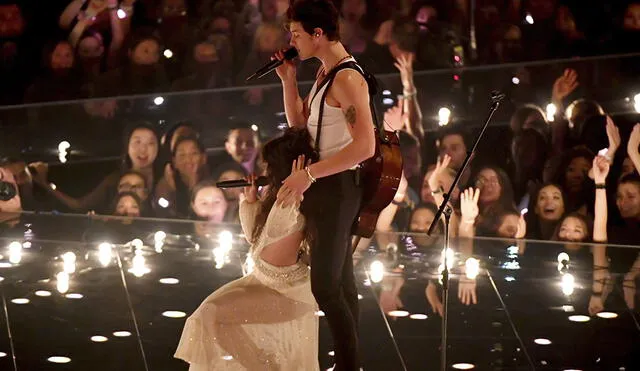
[261,181]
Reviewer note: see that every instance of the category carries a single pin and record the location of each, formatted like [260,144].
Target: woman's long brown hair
[279,154]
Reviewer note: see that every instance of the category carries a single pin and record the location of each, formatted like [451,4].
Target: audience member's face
[488,182]
[270,40]
[205,53]
[231,193]
[576,173]
[188,159]
[425,14]
[242,145]
[509,226]
[353,10]
[14,204]
[628,200]
[572,229]
[411,162]
[453,145]
[146,53]
[11,21]
[550,204]
[209,203]
[127,206]
[90,47]
[182,131]
[133,183]
[420,222]
[221,25]
[632,18]
[269,10]
[62,57]
[143,148]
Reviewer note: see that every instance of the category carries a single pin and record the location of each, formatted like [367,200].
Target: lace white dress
[263,321]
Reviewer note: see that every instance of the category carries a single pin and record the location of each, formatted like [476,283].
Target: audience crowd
[569,175]
[61,49]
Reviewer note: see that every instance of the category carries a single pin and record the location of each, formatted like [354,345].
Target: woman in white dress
[265,320]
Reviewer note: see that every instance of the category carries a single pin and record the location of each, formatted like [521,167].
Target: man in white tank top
[331,191]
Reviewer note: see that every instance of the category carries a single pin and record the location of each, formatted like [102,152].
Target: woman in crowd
[188,167]
[208,202]
[546,208]
[140,154]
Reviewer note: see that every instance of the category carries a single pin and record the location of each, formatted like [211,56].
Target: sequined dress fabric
[263,321]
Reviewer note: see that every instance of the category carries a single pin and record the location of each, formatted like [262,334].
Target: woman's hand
[522,228]
[251,192]
[469,205]
[613,134]
[295,185]
[600,169]
[404,64]
[563,86]
[634,142]
[441,165]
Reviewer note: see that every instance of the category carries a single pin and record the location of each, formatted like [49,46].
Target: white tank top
[334,135]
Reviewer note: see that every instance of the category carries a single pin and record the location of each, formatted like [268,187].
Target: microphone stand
[446,210]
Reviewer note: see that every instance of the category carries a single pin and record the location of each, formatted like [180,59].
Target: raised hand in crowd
[394,118]
[563,86]
[404,64]
[434,178]
[613,134]
[632,147]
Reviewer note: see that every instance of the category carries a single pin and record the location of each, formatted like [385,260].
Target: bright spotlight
[529,19]
[472,266]
[163,202]
[444,115]
[515,80]
[63,146]
[568,284]
[376,271]
[121,14]
[168,53]
[551,112]
[158,101]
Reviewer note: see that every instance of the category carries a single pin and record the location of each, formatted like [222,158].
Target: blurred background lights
[607,315]
[376,271]
[568,284]
[59,359]
[444,115]
[542,341]
[62,282]
[463,366]
[174,314]
[579,318]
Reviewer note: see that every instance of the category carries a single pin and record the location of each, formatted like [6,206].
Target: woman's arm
[70,13]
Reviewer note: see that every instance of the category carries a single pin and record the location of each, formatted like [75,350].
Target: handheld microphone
[261,181]
[497,96]
[289,54]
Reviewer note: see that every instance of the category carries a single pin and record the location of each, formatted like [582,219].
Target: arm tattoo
[350,115]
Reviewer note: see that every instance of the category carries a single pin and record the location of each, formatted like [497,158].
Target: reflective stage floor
[81,293]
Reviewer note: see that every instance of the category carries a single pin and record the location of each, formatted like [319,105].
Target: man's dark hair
[405,33]
[316,14]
